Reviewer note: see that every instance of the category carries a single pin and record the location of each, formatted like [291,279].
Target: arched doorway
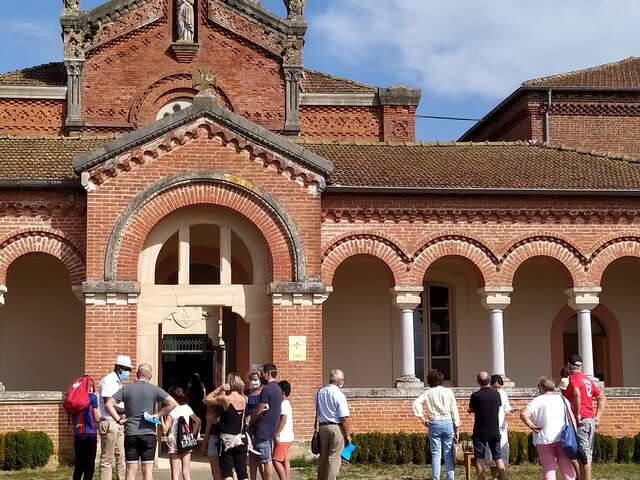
[606,342]
[41,326]
[204,306]
[600,345]
[358,323]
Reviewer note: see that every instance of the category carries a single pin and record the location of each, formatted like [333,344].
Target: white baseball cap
[124,361]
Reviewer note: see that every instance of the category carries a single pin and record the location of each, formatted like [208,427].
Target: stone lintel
[399,95]
[99,292]
[22,397]
[583,298]
[406,297]
[496,298]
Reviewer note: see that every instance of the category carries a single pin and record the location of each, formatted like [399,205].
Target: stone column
[292,76]
[496,299]
[225,255]
[583,300]
[406,299]
[74,92]
[184,254]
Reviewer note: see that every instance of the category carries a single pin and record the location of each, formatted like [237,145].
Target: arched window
[174,106]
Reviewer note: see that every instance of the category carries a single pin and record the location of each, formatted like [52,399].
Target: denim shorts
[265,448]
[213,447]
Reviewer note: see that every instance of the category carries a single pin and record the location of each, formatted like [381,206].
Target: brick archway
[566,256]
[364,244]
[283,241]
[611,329]
[478,255]
[50,243]
[608,253]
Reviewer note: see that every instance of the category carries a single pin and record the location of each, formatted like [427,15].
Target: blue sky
[465,55]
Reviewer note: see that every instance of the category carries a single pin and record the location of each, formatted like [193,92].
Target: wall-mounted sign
[297,348]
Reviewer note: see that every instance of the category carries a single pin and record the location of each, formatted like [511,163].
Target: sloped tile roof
[47,75]
[622,74]
[48,158]
[500,165]
[449,165]
[318,82]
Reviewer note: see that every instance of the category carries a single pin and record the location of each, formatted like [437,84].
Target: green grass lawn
[414,472]
[62,473]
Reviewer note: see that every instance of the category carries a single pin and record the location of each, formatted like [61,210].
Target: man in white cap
[112,432]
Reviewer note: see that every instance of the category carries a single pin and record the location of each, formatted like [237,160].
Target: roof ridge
[337,77]
[57,137]
[587,151]
[27,69]
[432,143]
[555,76]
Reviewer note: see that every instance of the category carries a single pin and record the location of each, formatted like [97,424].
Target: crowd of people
[251,425]
[548,415]
[244,423]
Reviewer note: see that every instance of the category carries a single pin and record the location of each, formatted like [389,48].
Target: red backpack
[77,398]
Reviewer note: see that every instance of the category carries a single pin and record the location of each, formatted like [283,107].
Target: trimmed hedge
[24,449]
[403,448]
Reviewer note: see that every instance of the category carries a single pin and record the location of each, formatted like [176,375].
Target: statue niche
[185,20]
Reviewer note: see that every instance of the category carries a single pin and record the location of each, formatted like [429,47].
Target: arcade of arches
[454,322]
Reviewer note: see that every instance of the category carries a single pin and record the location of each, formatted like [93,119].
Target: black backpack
[185,439]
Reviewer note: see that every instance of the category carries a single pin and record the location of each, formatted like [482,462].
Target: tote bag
[569,437]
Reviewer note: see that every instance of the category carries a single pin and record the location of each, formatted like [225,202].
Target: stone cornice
[340,99]
[481,215]
[37,93]
[385,394]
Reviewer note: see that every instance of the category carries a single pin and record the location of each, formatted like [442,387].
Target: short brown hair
[435,378]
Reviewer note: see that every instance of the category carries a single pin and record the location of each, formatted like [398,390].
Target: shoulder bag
[315,439]
[569,437]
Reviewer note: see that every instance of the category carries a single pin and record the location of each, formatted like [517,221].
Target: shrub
[532,451]
[625,449]
[465,437]
[389,454]
[404,448]
[419,447]
[1,450]
[636,450]
[605,449]
[515,454]
[26,450]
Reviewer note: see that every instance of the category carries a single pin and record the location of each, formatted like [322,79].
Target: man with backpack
[111,432]
[140,420]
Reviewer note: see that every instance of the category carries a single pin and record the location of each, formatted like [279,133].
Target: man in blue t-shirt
[265,419]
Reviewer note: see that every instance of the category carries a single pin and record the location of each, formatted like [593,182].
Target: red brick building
[205,203]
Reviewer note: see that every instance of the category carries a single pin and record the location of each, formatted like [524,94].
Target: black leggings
[85,448]
[234,458]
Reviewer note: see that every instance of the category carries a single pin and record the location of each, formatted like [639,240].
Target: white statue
[294,7]
[186,20]
[71,6]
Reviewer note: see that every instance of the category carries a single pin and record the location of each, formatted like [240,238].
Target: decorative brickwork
[19,116]
[41,242]
[340,123]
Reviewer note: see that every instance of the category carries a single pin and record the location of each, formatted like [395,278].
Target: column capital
[406,297]
[583,298]
[496,298]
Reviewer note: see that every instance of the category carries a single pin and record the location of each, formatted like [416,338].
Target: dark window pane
[444,365]
[439,321]
[438,296]
[418,344]
[419,365]
[439,345]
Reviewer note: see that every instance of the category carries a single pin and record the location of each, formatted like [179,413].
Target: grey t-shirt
[138,398]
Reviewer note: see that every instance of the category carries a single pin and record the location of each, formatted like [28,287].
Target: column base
[508,382]
[409,382]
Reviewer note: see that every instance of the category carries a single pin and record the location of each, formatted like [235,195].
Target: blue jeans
[441,441]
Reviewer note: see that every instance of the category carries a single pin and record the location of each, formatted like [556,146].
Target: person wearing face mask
[332,412]
[253,398]
[111,432]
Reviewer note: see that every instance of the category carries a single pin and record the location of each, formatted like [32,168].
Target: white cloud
[485,47]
